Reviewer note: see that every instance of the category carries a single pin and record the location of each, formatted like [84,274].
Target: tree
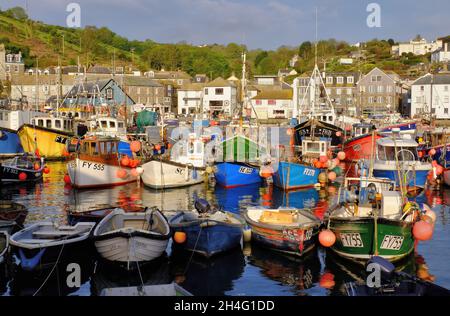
[18,13]
[305,50]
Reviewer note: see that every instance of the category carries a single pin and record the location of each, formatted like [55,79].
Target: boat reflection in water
[300,199]
[26,283]
[208,277]
[232,200]
[300,274]
[107,276]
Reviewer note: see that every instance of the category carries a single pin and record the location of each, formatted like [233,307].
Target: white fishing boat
[96,163]
[186,166]
[132,238]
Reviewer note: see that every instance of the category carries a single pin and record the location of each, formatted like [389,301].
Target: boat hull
[355,238]
[359,147]
[405,128]
[11,175]
[161,175]
[232,175]
[50,143]
[9,143]
[419,180]
[127,250]
[84,173]
[291,176]
[209,238]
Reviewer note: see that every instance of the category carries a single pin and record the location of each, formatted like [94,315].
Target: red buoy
[22,176]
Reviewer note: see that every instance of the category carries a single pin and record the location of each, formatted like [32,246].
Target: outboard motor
[386,268]
[202,206]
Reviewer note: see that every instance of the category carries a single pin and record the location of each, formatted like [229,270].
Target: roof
[140,81]
[100,70]
[437,79]
[192,87]
[274,95]
[220,82]
[171,75]
[399,142]
[444,39]
[51,79]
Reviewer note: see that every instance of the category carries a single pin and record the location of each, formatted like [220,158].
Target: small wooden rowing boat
[43,244]
[11,211]
[132,238]
[287,230]
[208,232]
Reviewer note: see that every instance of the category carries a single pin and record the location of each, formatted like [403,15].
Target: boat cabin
[102,148]
[108,126]
[315,148]
[362,129]
[392,148]
[191,151]
[56,123]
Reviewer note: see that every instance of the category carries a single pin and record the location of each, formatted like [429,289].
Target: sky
[265,24]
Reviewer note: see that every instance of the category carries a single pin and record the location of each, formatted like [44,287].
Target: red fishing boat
[361,144]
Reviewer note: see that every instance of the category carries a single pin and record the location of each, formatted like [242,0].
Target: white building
[220,97]
[190,99]
[417,47]
[272,104]
[431,94]
[442,55]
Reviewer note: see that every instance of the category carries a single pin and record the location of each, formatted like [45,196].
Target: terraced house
[343,92]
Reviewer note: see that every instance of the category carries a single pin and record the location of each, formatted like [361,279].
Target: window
[422,88]
[183,111]
[338,91]
[120,124]
[380,89]
[446,88]
[349,92]
[446,100]
[258,102]
[329,80]
[206,91]
[103,124]
[371,89]
[49,124]
[138,90]
[380,99]
[350,80]
[58,124]
[16,68]
[340,80]
[109,93]
[219,91]
[271,102]
[446,111]
[374,79]
[370,99]
[389,89]
[112,124]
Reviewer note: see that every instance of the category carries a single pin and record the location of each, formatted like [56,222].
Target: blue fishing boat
[397,159]
[9,143]
[240,163]
[208,232]
[292,176]
[405,128]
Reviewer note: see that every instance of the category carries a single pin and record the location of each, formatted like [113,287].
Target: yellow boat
[51,143]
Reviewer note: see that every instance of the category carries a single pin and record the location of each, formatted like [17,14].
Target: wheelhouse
[108,126]
[56,123]
[361,129]
[94,147]
[392,149]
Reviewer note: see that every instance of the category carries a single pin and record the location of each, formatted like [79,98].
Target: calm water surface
[251,271]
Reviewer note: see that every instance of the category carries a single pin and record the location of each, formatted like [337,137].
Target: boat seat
[55,235]
[276,218]
[35,241]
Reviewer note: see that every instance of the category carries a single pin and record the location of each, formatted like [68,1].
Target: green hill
[97,46]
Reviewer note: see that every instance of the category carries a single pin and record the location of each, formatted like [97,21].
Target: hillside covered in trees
[44,44]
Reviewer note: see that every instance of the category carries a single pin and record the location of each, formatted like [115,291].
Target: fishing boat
[9,143]
[397,159]
[208,232]
[286,230]
[372,219]
[404,128]
[13,212]
[393,283]
[4,245]
[22,169]
[241,162]
[132,238]
[47,135]
[96,163]
[360,145]
[171,289]
[42,244]
[185,167]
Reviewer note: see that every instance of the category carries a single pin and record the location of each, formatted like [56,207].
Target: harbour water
[250,271]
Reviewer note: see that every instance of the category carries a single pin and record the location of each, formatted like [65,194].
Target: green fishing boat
[372,219]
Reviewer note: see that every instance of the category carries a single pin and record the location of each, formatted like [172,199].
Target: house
[220,97]
[430,94]
[201,78]
[10,64]
[176,77]
[286,72]
[442,55]
[36,90]
[97,93]
[269,80]
[190,98]
[416,47]
[379,92]
[143,90]
[342,90]
[272,104]
[346,61]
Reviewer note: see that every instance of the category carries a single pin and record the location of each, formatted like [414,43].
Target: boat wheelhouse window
[112,124]
[94,148]
[199,148]
[65,124]
[312,147]
[330,118]
[120,124]
[403,153]
[381,153]
[57,123]
[103,149]
[104,124]
[41,123]
[49,124]
[324,118]
[190,147]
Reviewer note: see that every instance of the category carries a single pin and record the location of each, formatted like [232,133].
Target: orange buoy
[67,179]
[327,238]
[135,146]
[332,176]
[327,280]
[46,170]
[439,170]
[37,166]
[266,172]
[121,174]
[134,172]
[432,152]
[429,212]
[125,161]
[423,231]
[338,133]
[158,147]
[341,155]
[22,176]
[179,237]
[323,159]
